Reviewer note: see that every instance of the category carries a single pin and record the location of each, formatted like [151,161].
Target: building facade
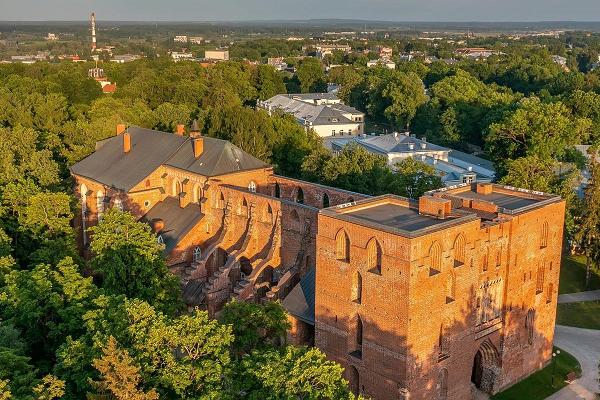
[416,300]
[323,112]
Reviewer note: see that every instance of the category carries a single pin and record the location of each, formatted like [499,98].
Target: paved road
[590,295]
[584,345]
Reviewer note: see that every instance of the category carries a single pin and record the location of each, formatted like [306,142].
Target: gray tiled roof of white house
[453,166]
[309,113]
[392,143]
[453,174]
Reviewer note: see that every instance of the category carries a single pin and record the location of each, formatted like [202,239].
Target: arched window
[197,194]
[277,190]
[485,260]
[450,287]
[269,216]
[443,351]
[118,204]
[374,256]
[529,324]
[176,187]
[544,238]
[295,217]
[539,284]
[252,187]
[443,384]
[244,207]
[300,196]
[221,201]
[357,287]
[160,239]
[197,255]
[100,204]
[549,292]
[325,200]
[435,258]
[359,336]
[83,191]
[342,248]
[354,380]
[459,251]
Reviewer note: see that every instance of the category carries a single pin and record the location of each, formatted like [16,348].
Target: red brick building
[416,300]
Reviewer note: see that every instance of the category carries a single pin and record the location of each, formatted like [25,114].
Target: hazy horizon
[268,10]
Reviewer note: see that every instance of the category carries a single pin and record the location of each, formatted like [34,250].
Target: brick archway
[486,367]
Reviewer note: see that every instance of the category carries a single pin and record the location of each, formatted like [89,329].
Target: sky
[240,10]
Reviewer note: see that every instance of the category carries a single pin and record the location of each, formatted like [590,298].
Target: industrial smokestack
[93,21]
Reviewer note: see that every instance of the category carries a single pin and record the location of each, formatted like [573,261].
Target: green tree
[292,373]
[413,178]
[120,378]
[255,325]
[49,389]
[545,130]
[311,76]
[588,222]
[131,261]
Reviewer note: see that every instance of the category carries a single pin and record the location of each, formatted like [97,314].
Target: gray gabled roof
[150,149]
[220,157]
[112,167]
[178,222]
[300,302]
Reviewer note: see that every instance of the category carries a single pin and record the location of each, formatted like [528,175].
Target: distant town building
[454,167]
[181,39]
[560,60]
[52,37]
[323,50]
[219,55]
[98,74]
[196,39]
[476,52]
[125,58]
[385,52]
[333,88]
[181,56]
[278,63]
[382,62]
[323,112]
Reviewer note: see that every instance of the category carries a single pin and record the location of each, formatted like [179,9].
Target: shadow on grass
[579,315]
[572,276]
[538,385]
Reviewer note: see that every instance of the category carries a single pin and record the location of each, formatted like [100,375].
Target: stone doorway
[486,367]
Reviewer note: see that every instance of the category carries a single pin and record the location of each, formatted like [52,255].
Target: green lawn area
[580,315]
[538,386]
[572,276]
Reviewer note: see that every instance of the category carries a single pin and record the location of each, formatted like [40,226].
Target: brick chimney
[435,206]
[121,128]
[195,129]
[158,225]
[126,142]
[180,130]
[198,146]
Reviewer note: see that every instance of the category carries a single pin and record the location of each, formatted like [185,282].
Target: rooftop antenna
[93,22]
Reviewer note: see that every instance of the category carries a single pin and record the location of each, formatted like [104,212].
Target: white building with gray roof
[454,167]
[323,112]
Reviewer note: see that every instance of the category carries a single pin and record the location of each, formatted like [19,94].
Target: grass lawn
[538,386]
[572,276]
[580,315]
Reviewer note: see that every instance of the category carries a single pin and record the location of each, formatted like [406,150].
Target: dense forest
[73,328]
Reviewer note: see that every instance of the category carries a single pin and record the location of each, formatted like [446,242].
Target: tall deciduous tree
[588,234]
[131,261]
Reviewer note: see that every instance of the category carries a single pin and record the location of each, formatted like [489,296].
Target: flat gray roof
[395,216]
[504,200]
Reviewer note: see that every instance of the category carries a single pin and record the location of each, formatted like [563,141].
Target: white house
[323,112]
